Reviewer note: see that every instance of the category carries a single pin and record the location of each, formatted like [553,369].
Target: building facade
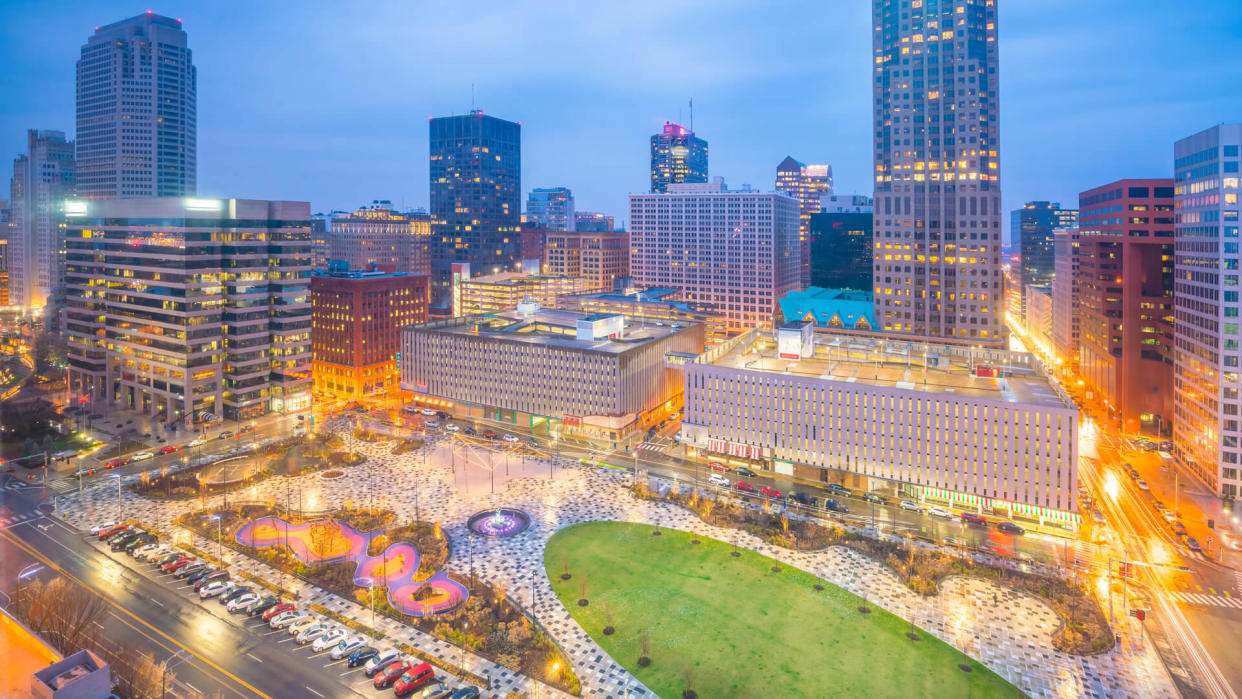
[496,293]
[646,306]
[594,376]
[1125,300]
[190,309]
[1065,320]
[677,156]
[356,321]
[1206,306]
[599,257]
[841,250]
[378,236]
[732,252]
[551,209]
[593,222]
[1031,230]
[871,414]
[476,197]
[137,111]
[807,184]
[937,170]
[1039,312]
[43,178]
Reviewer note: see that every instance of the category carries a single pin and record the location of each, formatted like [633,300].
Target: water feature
[499,523]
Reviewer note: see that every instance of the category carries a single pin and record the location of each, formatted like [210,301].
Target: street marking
[253,657]
[312,691]
[157,601]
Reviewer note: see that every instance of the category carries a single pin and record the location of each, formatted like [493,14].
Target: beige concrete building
[503,292]
[600,257]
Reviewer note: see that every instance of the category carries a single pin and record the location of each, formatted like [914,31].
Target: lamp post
[174,660]
[219,537]
[370,583]
[118,495]
[28,571]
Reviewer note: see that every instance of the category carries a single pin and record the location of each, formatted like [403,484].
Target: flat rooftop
[516,278]
[881,362]
[550,327]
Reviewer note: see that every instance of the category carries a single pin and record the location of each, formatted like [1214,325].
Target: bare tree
[60,611]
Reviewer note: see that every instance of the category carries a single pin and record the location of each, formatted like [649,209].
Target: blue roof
[821,305]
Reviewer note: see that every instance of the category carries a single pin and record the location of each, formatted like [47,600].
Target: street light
[118,495]
[219,537]
[370,583]
[174,660]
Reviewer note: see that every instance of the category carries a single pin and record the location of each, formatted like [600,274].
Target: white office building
[977,429]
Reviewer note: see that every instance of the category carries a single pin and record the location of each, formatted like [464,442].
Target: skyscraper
[1206,307]
[841,247]
[1065,326]
[806,183]
[937,170]
[593,222]
[476,197]
[677,156]
[1031,229]
[551,209]
[42,179]
[137,111]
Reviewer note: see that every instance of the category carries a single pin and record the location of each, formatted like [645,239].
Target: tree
[61,612]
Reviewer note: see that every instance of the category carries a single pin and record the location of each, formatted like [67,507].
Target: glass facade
[677,156]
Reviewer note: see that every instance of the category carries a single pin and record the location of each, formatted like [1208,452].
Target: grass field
[739,629]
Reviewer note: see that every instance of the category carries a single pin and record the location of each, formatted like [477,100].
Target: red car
[490,434]
[168,449]
[116,462]
[972,518]
[278,609]
[743,485]
[717,466]
[770,492]
[110,531]
[178,564]
[388,675]
[414,678]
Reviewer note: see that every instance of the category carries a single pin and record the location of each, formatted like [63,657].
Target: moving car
[413,678]
[937,511]
[839,489]
[490,434]
[834,506]
[469,430]
[239,603]
[380,661]
[386,677]
[972,518]
[197,442]
[911,505]
[717,479]
[1193,543]
[802,499]
[452,428]
[224,435]
[168,449]
[84,471]
[327,640]
[1008,528]
[532,441]
[717,466]
[743,471]
[512,438]
[115,463]
[428,412]
[245,428]
[310,633]
[1142,484]
[360,656]
[876,498]
[770,491]
[279,609]
[142,456]
[743,485]
[347,646]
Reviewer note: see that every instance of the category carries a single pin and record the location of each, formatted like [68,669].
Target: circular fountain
[499,523]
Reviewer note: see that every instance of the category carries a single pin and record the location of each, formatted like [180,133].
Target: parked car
[142,456]
[911,506]
[973,518]
[283,619]
[428,412]
[1166,446]
[382,659]
[262,606]
[437,690]
[168,449]
[141,550]
[470,692]
[412,679]
[532,441]
[717,479]
[329,640]
[158,552]
[770,491]
[452,428]
[511,438]
[277,610]
[717,466]
[169,557]
[100,527]
[743,471]
[302,624]
[490,434]
[937,511]
[385,678]
[743,485]
[309,633]
[178,564]
[239,603]
[1008,528]
[187,571]
[834,506]
[215,576]
[138,542]
[469,430]
[838,489]
[199,574]
[214,588]
[360,656]
[105,534]
[347,646]
[876,498]
[116,542]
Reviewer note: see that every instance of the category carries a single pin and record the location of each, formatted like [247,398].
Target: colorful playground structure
[395,568]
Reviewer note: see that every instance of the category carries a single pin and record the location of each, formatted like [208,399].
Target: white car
[347,646]
[138,552]
[380,658]
[717,479]
[511,438]
[197,442]
[100,527]
[328,640]
[241,602]
[311,632]
[428,412]
[296,618]
[142,456]
[283,619]
[212,589]
[911,505]
[936,511]
[1142,484]
[301,625]
[452,428]
[160,551]
[1170,515]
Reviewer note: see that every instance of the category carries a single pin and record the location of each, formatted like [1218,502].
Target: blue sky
[328,101]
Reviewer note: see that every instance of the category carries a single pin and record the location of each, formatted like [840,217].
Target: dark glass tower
[476,191]
[677,155]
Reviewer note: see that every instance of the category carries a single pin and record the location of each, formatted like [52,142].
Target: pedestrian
[993,599]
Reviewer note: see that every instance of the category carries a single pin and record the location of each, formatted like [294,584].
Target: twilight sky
[328,101]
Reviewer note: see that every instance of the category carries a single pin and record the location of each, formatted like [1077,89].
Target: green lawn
[741,629]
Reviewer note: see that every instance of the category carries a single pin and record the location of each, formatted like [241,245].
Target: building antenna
[472,97]
[691,115]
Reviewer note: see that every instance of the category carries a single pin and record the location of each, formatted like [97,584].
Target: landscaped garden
[691,616]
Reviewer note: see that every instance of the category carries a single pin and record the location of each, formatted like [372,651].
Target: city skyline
[739,89]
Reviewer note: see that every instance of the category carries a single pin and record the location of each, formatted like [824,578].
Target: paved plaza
[1012,635]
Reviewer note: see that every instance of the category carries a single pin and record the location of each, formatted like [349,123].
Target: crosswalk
[652,446]
[14,486]
[1206,600]
[7,521]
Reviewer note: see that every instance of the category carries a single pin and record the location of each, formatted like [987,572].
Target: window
[1139,192]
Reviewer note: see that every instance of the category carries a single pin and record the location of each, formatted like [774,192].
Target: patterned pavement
[1012,637]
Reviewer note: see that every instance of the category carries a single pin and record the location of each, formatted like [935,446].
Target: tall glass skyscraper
[137,111]
[677,156]
[937,170]
[806,183]
[476,197]
[551,208]
[43,178]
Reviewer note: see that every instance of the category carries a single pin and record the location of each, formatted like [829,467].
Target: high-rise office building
[378,236]
[677,156]
[1065,297]
[186,308]
[5,233]
[1206,374]
[137,111]
[806,183]
[841,246]
[476,193]
[1031,229]
[1125,300]
[593,222]
[733,252]
[551,209]
[43,178]
[599,257]
[937,170]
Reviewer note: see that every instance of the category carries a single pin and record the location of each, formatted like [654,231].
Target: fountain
[499,523]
